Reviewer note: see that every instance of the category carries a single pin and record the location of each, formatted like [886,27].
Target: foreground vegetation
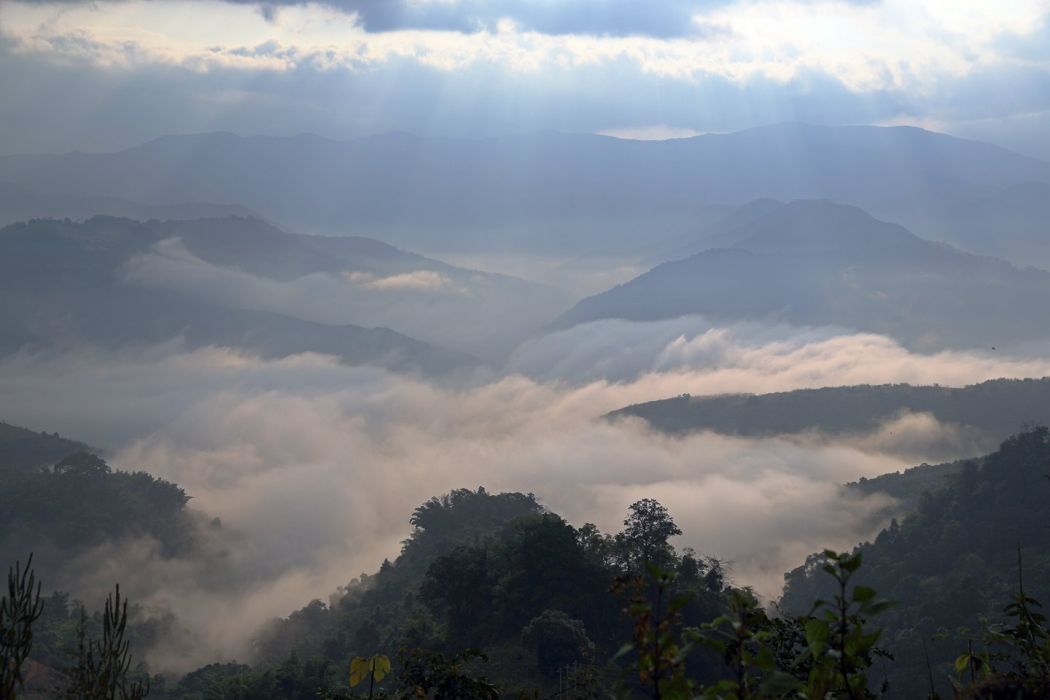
[493,596]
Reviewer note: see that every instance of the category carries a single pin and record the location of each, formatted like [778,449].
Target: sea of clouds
[314,467]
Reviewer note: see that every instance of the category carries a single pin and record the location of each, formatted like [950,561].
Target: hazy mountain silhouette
[64,284]
[820,263]
[1013,224]
[18,203]
[543,192]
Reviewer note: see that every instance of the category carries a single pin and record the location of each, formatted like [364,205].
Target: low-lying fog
[314,467]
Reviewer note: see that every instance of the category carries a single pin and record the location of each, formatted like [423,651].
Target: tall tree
[644,539]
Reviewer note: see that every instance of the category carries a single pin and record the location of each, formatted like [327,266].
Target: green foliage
[949,565]
[428,674]
[764,662]
[765,659]
[658,649]
[839,645]
[104,665]
[1015,659]
[645,536]
[96,504]
[19,609]
[558,641]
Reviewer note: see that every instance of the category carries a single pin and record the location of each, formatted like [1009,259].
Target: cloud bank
[314,467]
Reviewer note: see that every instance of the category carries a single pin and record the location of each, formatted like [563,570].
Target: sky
[105,75]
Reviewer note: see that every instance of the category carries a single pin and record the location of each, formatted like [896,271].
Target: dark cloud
[667,18]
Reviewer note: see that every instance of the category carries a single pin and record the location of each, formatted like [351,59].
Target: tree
[19,609]
[82,464]
[427,674]
[459,585]
[558,641]
[644,539]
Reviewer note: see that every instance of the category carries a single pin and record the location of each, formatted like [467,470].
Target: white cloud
[652,132]
[870,46]
[751,356]
[416,280]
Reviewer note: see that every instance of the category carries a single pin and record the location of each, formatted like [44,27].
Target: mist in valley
[279,281]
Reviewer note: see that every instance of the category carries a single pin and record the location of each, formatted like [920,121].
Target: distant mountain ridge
[995,409]
[817,263]
[542,192]
[64,285]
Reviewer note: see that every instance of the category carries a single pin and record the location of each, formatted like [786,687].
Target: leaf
[816,635]
[852,563]
[380,667]
[359,669]
[862,594]
[780,683]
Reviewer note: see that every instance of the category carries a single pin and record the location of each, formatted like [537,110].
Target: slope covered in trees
[994,409]
[486,571]
[24,451]
[493,591]
[81,502]
[954,561]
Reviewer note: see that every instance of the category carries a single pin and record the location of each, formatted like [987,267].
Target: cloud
[314,467]
[669,18]
[750,356]
[890,44]
[121,74]
[652,132]
[416,280]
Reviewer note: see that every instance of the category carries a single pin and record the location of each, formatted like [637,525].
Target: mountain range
[65,284]
[818,263]
[557,193]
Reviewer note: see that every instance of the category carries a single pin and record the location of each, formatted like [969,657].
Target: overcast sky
[104,75]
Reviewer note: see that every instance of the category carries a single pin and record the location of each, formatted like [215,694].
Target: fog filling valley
[313,467]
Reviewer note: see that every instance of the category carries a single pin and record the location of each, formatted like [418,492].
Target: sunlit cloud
[651,132]
[881,45]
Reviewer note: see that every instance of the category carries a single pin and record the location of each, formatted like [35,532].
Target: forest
[493,595]
[524,349]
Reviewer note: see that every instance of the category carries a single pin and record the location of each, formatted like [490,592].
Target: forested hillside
[493,595]
[495,572]
[954,562]
[994,409]
[81,502]
[24,451]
